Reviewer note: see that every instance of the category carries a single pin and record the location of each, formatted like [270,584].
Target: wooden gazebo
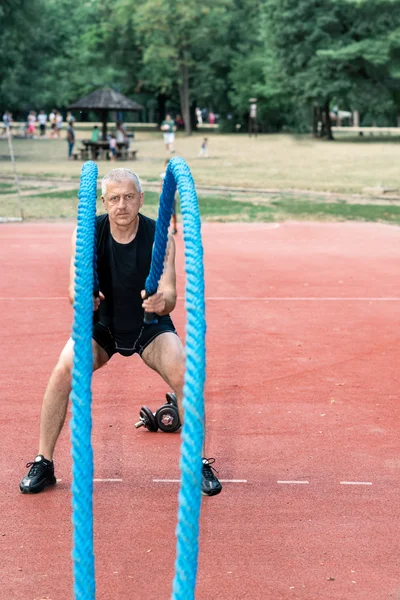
[103,100]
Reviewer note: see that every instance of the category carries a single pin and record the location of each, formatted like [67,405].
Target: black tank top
[122,271]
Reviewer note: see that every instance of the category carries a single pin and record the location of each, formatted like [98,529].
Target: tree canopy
[299,58]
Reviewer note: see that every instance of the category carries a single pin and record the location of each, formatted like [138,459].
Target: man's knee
[178,376]
[178,369]
[63,369]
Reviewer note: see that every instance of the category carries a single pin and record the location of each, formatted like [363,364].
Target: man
[168,128]
[124,247]
[7,121]
[42,118]
[70,139]
[253,125]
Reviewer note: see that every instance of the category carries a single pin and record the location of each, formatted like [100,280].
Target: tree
[177,40]
[368,55]
[298,29]
[18,48]
[255,70]
[336,51]
[54,69]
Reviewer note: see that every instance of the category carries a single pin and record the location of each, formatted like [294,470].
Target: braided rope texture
[178,175]
[161,234]
[81,395]
[187,531]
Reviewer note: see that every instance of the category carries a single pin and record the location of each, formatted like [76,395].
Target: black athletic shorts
[130,342]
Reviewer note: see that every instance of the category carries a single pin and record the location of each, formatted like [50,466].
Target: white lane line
[236,298]
[303,299]
[279,481]
[356,483]
[178,480]
[295,482]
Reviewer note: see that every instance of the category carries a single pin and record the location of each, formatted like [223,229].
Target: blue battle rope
[179,175]
[81,423]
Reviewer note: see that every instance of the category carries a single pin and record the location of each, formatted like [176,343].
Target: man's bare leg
[166,356]
[55,401]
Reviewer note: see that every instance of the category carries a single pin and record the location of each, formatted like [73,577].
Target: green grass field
[63,204]
[268,178]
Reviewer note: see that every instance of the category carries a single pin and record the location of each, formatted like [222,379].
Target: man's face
[122,201]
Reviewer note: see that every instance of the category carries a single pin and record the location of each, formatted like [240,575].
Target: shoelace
[208,469]
[36,467]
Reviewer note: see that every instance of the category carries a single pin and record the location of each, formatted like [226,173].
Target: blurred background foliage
[301,59]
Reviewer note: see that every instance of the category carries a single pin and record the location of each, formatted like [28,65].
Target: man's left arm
[164,300]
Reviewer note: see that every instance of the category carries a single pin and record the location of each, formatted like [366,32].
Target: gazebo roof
[106,99]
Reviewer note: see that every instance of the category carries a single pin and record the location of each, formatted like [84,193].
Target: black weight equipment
[167,416]
[147,419]
[171,398]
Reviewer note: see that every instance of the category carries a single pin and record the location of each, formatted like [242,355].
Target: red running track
[302,386]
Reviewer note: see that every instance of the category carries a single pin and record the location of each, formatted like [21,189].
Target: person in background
[70,118]
[59,123]
[53,126]
[174,227]
[121,135]
[70,139]
[168,128]
[31,124]
[7,120]
[252,125]
[199,116]
[179,122]
[95,134]
[42,119]
[113,148]
[204,148]
[94,138]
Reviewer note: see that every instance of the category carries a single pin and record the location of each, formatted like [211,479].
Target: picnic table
[100,150]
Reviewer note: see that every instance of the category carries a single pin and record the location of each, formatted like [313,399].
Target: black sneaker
[210,486]
[40,475]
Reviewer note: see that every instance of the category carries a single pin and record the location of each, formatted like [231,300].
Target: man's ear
[141,199]
[104,202]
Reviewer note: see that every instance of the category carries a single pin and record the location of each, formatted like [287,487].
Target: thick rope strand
[161,234]
[178,175]
[81,395]
[186,563]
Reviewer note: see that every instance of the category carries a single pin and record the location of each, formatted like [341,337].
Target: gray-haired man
[124,246]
